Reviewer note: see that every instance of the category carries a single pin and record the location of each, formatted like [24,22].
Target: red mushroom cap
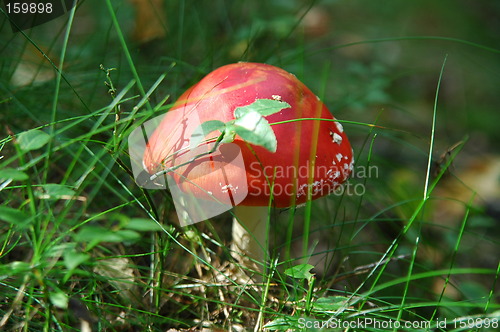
[313,155]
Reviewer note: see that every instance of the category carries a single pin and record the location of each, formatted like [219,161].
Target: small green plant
[249,124]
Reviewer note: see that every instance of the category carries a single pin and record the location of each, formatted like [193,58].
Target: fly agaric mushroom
[312,158]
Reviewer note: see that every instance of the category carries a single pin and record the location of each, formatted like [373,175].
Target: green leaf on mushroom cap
[254,129]
[249,124]
[203,130]
[264,107]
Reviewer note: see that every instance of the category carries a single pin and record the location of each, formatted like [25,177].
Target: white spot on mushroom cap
[336,138]
[321,185]
[333,175]
[315,186]
[339,127]
[228,187]
[351,165]
[276,97]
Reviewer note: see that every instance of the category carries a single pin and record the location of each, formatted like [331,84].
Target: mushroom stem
[249,236]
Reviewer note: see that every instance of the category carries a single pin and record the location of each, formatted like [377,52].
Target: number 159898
[29,8]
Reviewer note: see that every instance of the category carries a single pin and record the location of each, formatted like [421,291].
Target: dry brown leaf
[120,275]
[33,67]
[150,20]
